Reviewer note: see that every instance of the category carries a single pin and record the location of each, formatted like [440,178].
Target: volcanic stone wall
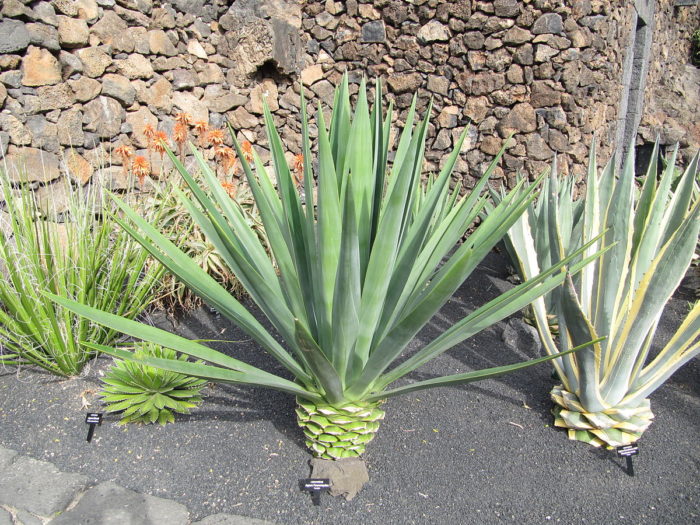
[80,77]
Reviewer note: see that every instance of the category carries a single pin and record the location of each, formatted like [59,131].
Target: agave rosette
[650,235]
[353,275]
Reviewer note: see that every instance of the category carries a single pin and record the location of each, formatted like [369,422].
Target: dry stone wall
[672,102]
[80,77]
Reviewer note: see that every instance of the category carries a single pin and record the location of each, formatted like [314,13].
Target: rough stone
[548,23]
[240,118]
[448,117]
[506,8]
[226,102]
[95,60]
[27,164]
[514,75]
[159,95]
[16,130]
[12,79]
[85,88]
[67,7]
[70,64]
[45,13]
[543,53]
[72,32]
[210,74]
[112,30]
[9,61]
[3,94]
[476,108]
[54,199]
[138,120]
[40,68]
[4,142]
[433,31]
[537,148]
[135,66]
[13,36]
[544,95]
[118,87]
[104,116]
[374,31]
[43,35]
[55,97]
[256,38]
[312,74]
[122,506]
[524,55]
[196,49]
[160,44]
[516,36]
[474,40]
[347,475]
[184,79]
[44,133]
[482,83]
[70,128]
[438,84]
[87,10]
[266,90]
[405,83]
[520,119]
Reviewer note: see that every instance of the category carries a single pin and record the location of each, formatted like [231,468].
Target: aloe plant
[92,261]
[145,394]
[357,271]
[651,235]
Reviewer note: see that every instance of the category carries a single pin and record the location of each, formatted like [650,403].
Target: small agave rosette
[338,432]
[611,428]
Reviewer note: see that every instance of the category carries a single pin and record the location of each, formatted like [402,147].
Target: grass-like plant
[91,261]
[354,274]
[178,226]
[651,234]
[145,394]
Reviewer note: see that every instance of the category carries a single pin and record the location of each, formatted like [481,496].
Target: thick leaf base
[338,432]
[610,428]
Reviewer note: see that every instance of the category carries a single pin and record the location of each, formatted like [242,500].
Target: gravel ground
[482,453]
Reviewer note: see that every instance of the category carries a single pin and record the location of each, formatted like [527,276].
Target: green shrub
[88,260]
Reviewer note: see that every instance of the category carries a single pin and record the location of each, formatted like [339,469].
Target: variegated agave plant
[354,275]
[650,236]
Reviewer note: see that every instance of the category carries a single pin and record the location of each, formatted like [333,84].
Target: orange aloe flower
[230,188]
[180,137]
[149,132]
[160,141]
[247,148]
[226,156]
[183,118]
[200,129]
[215,137]
[141,168]
[125,153]
[298,168]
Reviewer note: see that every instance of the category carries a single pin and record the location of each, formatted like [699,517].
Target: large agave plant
[650,236]
[357,271]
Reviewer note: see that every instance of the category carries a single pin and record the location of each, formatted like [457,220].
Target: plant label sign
[93,419]
[315,486]
[627,451]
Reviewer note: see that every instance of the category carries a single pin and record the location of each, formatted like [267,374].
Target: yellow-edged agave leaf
[362,257]
[649,241]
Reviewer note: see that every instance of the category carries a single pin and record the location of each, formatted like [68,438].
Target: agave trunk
[338,432]
[613,427]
